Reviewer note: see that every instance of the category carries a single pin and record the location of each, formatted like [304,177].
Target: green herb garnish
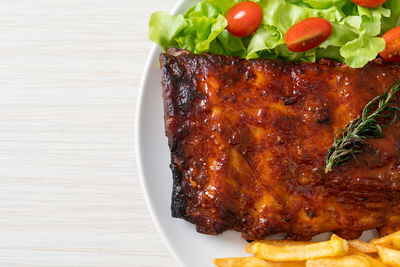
[351,140]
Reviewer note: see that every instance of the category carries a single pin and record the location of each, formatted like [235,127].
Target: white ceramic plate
[189,248]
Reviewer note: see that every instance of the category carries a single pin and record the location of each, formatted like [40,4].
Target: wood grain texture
[69,188]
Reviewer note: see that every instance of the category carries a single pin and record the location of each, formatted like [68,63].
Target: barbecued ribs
[248,140]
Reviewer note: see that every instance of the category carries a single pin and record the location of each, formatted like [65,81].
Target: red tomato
[392,50]
[369,3]
[307,34]
[244,18]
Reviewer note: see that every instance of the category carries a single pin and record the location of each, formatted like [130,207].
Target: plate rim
[138,145]
[139,148]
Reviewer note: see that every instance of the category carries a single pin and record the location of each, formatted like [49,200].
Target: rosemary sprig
[351,140]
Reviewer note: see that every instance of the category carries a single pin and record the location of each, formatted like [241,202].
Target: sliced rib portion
[248,141]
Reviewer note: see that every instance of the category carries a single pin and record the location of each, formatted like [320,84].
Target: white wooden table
[69,188]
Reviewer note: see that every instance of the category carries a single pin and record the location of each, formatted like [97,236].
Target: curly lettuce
[355,37]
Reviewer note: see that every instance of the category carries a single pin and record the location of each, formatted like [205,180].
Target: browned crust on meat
[248,141]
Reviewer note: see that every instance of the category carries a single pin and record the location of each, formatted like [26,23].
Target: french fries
[363,246]
[345,261]
[254,262]
[392,241]
[273,250]
[389,256]
[335,252]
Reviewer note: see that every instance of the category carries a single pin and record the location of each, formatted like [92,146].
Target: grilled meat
[248,141]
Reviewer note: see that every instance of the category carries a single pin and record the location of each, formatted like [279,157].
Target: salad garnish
[307,34]
[355,37]
[369,3]
[392,50]
[244,18]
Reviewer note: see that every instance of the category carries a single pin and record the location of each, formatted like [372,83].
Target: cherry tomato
[369,3]
[307,34]
[392,50]
[244,18]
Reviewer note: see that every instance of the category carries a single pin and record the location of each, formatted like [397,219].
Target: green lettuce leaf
[233,46]
[393,20]
[358,52]
[333,52]
[265,39]
[203,9]
[223,6]
[201,32]
[324,3]
[355,37]
[284,15]
[166,36]
[371,19]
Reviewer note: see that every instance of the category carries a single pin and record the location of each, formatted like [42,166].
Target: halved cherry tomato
[307,34]
[244,18]
[368,3]
[392,50]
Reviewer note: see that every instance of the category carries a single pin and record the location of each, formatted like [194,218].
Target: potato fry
[254,262]
[335,252]
[345,261]
[389,256]
[376,262]
[392,240]
[273,250]
[363,246]
[277,243]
